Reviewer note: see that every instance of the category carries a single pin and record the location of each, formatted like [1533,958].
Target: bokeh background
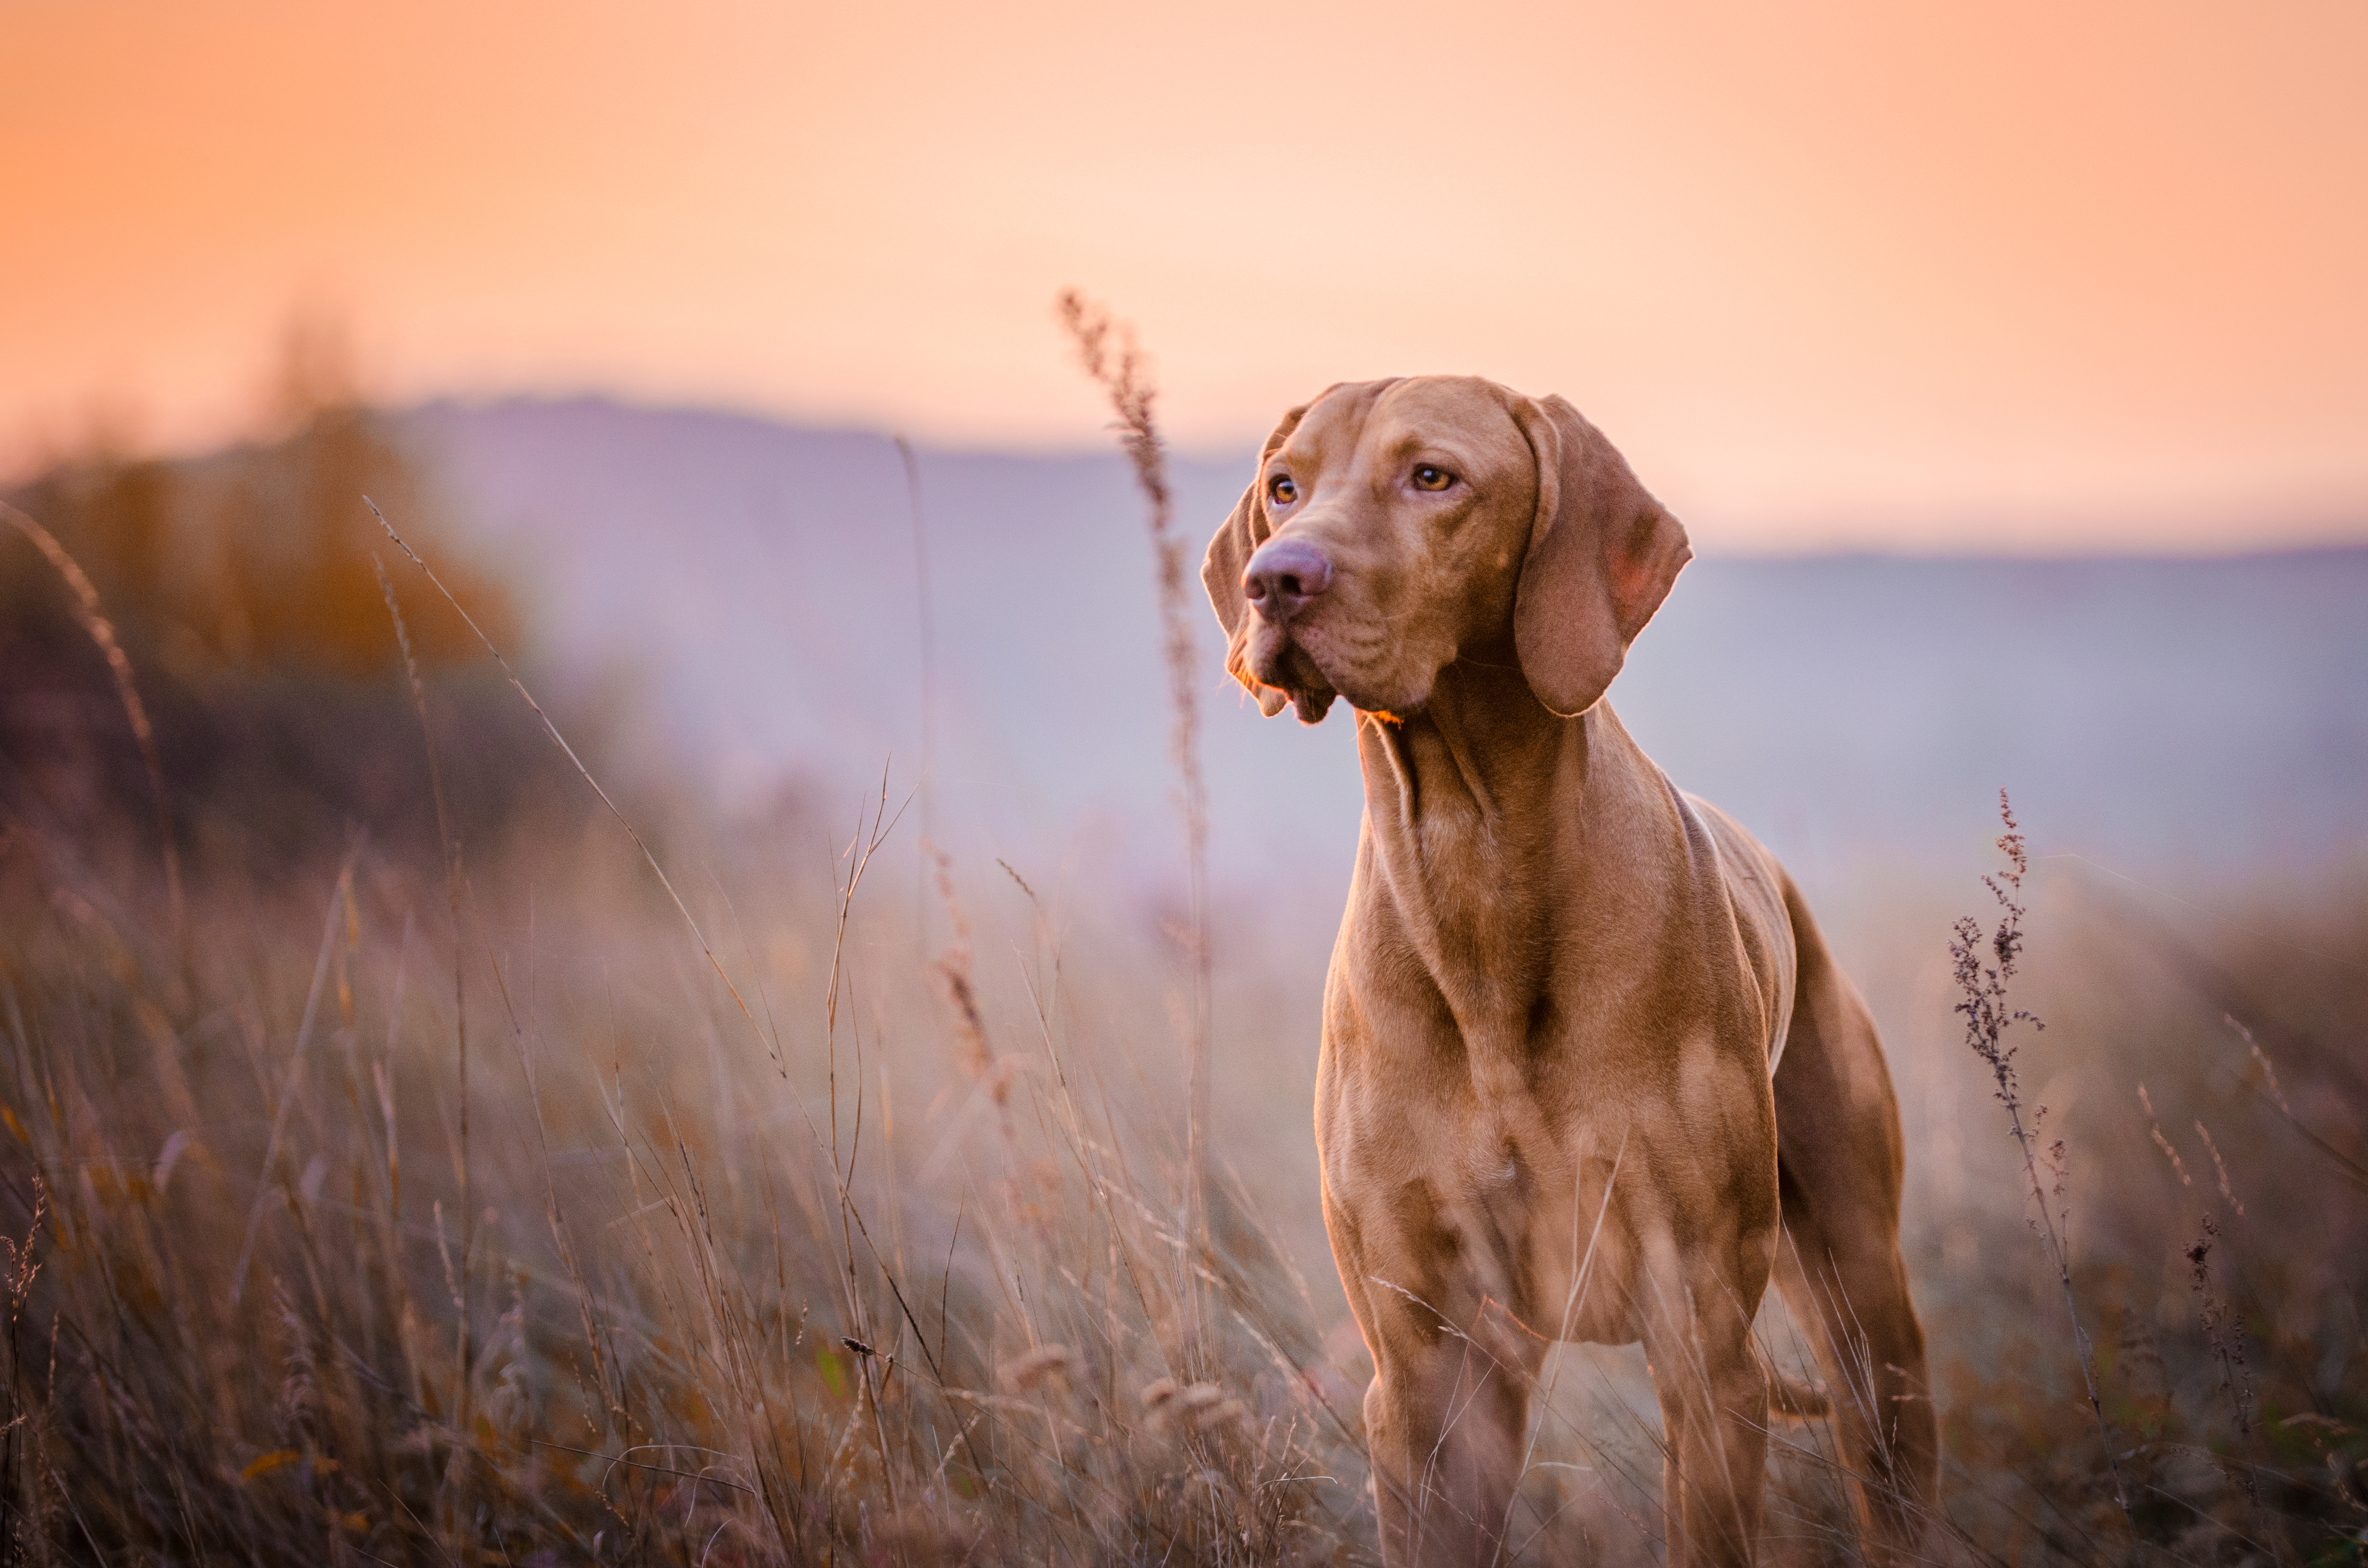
[2009,367]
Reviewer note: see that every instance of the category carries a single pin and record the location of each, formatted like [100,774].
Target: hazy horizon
[757,582]
[2296,533]
[2030,534]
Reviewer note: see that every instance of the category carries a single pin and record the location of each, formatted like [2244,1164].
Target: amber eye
[1281,491]
[1430,476]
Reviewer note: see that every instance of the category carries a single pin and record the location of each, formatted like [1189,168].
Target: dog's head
[1396,527]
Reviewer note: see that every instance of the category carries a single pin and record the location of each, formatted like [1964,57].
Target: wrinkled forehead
[1463,417]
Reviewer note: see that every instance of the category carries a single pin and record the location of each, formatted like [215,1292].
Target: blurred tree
[240,587]
[259,557]
[115,518]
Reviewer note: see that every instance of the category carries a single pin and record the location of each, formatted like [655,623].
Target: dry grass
[672,1303]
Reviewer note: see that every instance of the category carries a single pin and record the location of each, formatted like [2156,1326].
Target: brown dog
[1584,1053]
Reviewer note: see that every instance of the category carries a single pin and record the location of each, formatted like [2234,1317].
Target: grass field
[419,1192]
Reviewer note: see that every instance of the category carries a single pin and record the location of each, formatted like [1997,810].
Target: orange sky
[2009,275]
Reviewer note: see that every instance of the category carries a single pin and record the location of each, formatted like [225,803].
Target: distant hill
[757,584]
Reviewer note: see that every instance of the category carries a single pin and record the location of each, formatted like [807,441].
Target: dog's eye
[1430,476]
[1281,491]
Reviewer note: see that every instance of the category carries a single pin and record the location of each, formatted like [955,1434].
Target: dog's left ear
[1229,555]
[1602,554]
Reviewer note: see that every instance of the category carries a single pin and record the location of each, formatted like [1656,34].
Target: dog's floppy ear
[1603,554]
[1229,554]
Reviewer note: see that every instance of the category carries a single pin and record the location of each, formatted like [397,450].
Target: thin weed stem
[449,847]
[1984,1004]
[926,630]
[1109,353]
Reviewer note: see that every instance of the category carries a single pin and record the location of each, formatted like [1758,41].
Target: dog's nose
[1283,575]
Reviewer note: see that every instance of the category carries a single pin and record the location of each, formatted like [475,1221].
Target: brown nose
[1284,575]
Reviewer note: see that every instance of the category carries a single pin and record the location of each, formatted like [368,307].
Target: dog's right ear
[1601,556]
[1229,555]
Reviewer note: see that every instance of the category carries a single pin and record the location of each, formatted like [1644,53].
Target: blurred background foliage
[244,588]
[258,559]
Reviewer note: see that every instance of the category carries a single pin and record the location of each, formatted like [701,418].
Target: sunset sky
[2016,275]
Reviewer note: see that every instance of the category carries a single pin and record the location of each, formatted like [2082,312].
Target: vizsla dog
[1588,1072]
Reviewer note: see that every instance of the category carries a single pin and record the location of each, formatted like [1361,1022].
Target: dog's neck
[1460,822]
[1480,755]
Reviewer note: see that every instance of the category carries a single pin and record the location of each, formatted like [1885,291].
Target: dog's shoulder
[1755,886]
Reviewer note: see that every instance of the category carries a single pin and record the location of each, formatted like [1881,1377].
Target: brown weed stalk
[1984,1004]
[1108,350]
[2220,1326]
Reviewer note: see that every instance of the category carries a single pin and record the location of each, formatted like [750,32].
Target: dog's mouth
[1280,660]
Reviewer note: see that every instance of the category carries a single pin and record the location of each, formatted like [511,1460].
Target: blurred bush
[259,558]
[241,586]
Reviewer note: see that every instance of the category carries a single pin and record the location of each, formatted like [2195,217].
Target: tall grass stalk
[1109,354]
[449,849]
[926,632]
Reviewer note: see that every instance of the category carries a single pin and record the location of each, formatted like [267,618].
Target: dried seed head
[1045,1363]
[1195,1407]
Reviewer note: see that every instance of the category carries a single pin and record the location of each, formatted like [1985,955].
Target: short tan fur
[1564,992]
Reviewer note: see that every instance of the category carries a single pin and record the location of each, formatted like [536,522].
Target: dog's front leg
[1714,1398]
[1444,1417]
